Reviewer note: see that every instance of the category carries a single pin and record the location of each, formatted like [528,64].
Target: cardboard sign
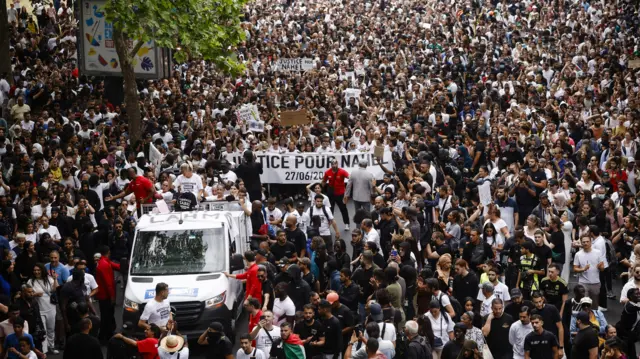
[378,151]
[297,64]
[634,64]
[294,118]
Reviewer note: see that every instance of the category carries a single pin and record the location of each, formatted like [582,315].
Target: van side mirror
[237,262]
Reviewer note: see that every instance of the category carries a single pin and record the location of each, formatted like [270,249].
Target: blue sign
[174,293]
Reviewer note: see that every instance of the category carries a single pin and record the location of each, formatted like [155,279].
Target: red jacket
[105,279]
[254,286]
[335,180]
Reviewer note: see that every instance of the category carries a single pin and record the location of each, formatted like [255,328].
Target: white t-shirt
[89,283]
[500,290]
[324,221]
[157,313]
[592,275]
[255,354]
[192,184]
[44,301]
[184,354]
[441,327]
[372,236]
[485,307]
[389,331]
[282,309]
[274,215]
[263,342]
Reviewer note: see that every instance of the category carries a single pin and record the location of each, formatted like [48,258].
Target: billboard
[97,50]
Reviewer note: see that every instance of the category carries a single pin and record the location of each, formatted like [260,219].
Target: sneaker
[602,309]
[610,295]
[346,227]
[54,351]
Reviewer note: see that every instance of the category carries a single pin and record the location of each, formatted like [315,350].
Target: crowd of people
[513,128]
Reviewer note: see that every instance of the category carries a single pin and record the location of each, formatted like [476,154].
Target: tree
[197,29]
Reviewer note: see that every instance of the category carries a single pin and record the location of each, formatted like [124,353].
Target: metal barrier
[203,206]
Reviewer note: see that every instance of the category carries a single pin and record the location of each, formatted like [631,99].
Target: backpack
[455,304]
[401,345]
[324,211]
[610,253]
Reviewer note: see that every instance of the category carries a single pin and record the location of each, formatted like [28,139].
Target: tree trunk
[131,102]
[5,60]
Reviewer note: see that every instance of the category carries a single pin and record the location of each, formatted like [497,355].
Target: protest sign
[634,64]
[349,93]
[304,168]
[299,64]
[247,113]
[155,157]
[378,151]
[294,118]
[255,126]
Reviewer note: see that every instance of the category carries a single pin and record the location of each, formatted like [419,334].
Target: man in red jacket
[106,292]
[334,179]
[254,286]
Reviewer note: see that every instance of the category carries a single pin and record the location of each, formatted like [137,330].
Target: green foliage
[200,29]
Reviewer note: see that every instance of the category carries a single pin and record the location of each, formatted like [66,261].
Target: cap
[375,310]
[104,162]
[333,297]
[261,252]
[583,317]
[324,304]
[140,155]
[586,300]
[217,326]
[515,292]
[460,326]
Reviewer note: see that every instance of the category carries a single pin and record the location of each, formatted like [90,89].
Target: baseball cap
[333,297]
[586,300]
[375,310]
[261,252]
[583,317]
[515,292]
[217,326]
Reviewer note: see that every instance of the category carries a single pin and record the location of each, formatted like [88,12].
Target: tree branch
[136,48]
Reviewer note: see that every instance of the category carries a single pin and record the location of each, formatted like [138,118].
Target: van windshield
[191,251]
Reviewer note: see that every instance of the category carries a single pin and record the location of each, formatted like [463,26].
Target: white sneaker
[602,309]
[346,228]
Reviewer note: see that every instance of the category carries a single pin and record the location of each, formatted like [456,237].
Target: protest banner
[155,157]
[378,151]
[249,118]
[294,118]
[299,64]
[349,93]
[634,64]
[255,126]
[304,168]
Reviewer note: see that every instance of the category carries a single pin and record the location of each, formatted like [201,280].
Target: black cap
[217,326]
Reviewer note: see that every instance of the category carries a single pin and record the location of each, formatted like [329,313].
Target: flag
[294,347]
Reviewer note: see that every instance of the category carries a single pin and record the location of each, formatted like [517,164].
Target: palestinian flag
[293,347]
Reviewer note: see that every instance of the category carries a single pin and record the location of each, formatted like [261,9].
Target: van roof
[190,220]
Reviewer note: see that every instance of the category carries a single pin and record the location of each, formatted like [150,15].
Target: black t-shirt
[466,286]
[475,255]
[554,290]
[481,147]
[349,296]
[362,277]
[310,279]
[441,249]
[267,288]
[537,177]
[543,253]
[333,336]
[287,250]
[557,239]
[513,308]
[586,339]
[451,350]
[496,340]
[220,349]
[540,346]
[343,313]
[298,238]
[186,202]
[550,315]
[315,330]
[83,346]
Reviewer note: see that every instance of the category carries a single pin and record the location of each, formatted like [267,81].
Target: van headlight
[216,301]
[130,305]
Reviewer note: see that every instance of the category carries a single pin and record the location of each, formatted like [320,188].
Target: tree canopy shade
[198,29]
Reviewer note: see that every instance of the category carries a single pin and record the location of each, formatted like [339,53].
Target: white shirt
[157,313]
[592,275]
[324,221]
[389,332]
[372,236]
[184,354]
[263,342]
[485,307]
[192,184]
[90,283]
[37,211]
[517,333]
[599,244]
[52,230]
[500,290]
[629,285]
[441,327]
[283,309]
[259,354]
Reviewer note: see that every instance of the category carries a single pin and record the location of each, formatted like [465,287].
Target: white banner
[155,157]
[305,168]
[351,92]
[299,64]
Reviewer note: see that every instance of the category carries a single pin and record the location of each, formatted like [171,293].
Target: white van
[189,251]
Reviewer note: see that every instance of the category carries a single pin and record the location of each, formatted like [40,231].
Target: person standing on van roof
[254,286]
[140,186]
